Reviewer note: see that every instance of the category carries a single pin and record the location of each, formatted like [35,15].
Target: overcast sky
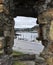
[24,22]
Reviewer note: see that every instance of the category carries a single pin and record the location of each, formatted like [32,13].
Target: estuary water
[27,36]
[27,43]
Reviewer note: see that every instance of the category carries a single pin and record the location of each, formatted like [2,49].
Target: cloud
[24,22]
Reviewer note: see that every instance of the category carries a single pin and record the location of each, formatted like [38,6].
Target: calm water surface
[25,43]
[29,36]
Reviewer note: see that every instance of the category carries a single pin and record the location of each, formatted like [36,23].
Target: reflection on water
[25,43]
[28,36]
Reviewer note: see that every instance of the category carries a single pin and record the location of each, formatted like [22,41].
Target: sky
[24,22]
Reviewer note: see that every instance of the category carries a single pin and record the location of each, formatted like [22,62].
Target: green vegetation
[18,63]
[17,53]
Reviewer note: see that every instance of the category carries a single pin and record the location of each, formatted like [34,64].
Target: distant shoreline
[27,31]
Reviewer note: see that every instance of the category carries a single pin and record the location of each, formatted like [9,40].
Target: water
[28,36]
[26,45]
